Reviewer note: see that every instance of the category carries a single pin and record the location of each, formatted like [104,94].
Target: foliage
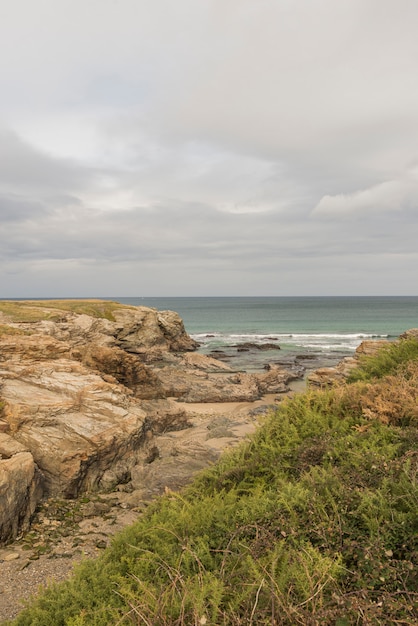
[391,399]
[386,361]
[312,521]
[37,310]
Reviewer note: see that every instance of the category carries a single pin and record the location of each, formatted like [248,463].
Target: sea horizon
[318,330]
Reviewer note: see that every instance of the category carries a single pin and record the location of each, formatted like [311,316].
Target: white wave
[199,336]
[322,342]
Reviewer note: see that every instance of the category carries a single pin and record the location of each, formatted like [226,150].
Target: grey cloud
[15,209]
[24,167]
[390,196]
[244,146]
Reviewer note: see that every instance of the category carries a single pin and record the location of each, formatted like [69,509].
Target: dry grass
[391,400]
[37,310]
[10,330]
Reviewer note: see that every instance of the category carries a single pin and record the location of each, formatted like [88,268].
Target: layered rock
[328,376]
[81,430]
[20,487]
[138,330]
[124,368]
[80,395]
[208,380]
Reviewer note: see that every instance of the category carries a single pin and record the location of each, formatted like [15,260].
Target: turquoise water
[326,327]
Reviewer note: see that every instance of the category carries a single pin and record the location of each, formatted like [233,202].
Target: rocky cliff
[84,385]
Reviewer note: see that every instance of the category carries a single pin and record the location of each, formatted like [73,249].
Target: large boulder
[329,376]
[150,333]
[82,432]
[274,380]
[20,487]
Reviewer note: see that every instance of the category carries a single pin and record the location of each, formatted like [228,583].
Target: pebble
[10,556]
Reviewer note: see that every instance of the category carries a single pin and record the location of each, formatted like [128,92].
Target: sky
[208,148]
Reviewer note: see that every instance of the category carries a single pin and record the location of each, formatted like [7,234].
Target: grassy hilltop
[37,310]
[313,521]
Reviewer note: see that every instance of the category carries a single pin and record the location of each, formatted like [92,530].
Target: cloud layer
[219,147]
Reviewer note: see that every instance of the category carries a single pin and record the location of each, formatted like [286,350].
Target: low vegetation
[313,521]
[37,310]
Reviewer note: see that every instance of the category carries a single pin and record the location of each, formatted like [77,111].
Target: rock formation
[20,486]
[80,394]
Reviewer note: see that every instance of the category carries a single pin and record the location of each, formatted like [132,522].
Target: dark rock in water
[250,345]
[218,354]
[305,357]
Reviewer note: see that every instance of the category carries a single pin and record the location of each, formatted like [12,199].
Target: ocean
[250,332]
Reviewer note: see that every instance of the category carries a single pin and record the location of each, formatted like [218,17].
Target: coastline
[67,531]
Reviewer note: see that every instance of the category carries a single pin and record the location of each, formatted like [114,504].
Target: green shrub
[387,360]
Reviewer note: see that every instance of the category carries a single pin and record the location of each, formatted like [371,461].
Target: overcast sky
[208,147]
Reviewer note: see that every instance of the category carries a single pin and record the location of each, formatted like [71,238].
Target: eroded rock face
[151,333]
[71,392]
[124,368]
[21,487]
[81,431]
[138,330]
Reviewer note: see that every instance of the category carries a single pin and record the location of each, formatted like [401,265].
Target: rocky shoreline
[99,416]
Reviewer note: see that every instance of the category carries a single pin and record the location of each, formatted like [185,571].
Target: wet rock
[250,345]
